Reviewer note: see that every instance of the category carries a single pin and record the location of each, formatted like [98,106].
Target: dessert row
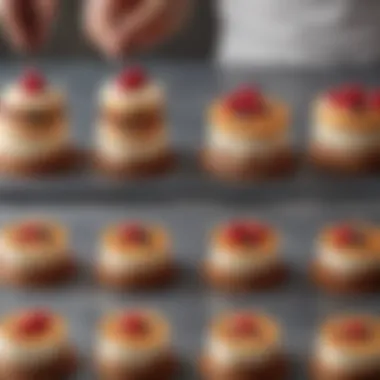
[243,255]
[248,134]
[138,344]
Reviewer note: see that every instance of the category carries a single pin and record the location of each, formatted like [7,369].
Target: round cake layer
[17,98]
[345,139]
[18,146]
[349,119]
[267,125]
[241,348]
[350,263]
[241,147]
[130,348]
[246,263]
[148,96]
[124,148]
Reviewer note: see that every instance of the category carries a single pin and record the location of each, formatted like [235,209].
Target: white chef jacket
[299,32]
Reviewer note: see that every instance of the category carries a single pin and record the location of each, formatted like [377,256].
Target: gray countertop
[190,88]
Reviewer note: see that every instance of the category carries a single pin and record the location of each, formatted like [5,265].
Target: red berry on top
[245,232]
[349,96]
[132,78]
[34,322]
[244,325]
[356,330]
[32,81]
[246,101]
[133,323]
[374,99]
[346,235]
[31,232]
[133,233]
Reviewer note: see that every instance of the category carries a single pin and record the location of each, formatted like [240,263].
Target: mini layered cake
[244,345]
[348,259]
[132,138]
[244,256]
[35,253]
[248,136]
[135,256]
[135,345]
[34,130]
[345,136]
[348,348]
[34,344]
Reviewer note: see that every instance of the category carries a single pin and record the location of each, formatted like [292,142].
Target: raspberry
[246,101]
[374,99]
[349,96]
[356,330]
[32,232]
[33,81]
[34,322]
[243,325]
[345,235]
[132,78]
[133,324]
[133,233]
[246,233]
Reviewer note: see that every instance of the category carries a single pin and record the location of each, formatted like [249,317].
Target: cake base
[155,167]
[58,163]
[276,368]
[165,369]
[39,278]
[328,160]
[59,369]
[271,279]
[331,282]
[320,372]
[223,166]
[159,278]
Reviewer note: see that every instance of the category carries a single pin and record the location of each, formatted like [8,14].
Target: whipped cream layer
[15,145]
[345,360]
[148,96]
[119,263]
[242,263]
[110,351]
[226,355]
[31,355]
[344,139]
[118,149]
[242,148]
[28,260]
[346,263]
[15,97]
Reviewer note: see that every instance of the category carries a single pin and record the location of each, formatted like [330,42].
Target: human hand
[122,27]
[27,23]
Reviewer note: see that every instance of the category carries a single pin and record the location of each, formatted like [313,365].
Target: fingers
[27,22]
[98,25]
[19,21]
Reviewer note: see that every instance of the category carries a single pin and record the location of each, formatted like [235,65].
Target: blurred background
[196,41]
